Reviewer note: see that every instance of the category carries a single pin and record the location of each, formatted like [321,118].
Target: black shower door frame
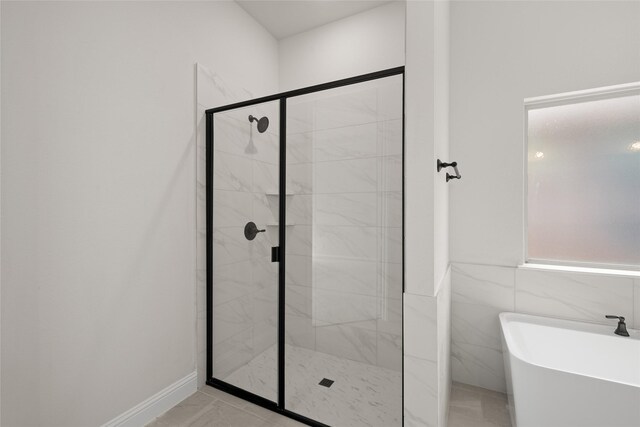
[278,406]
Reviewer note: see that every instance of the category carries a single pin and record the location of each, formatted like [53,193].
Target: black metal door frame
[279,406]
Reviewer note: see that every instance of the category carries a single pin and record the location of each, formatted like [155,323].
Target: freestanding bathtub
[570,374]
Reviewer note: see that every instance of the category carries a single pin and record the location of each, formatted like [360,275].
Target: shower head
[263,123]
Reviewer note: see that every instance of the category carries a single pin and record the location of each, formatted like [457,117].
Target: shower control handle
[251,230]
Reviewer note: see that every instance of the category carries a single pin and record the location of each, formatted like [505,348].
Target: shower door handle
[251,230]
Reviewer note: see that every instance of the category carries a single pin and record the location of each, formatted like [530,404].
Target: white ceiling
[286,18]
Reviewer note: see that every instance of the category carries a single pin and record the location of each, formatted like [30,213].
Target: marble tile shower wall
[211,90]
[344,265]
[481,292]
[245,186]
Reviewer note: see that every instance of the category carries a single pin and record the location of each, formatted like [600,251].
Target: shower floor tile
[361,395]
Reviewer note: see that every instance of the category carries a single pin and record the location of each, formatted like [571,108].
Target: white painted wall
[503,52]
[98,196]
[369,41]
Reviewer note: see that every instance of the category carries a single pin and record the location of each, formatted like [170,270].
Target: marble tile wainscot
[481,292]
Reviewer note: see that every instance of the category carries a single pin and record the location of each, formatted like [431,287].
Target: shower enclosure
[305,251]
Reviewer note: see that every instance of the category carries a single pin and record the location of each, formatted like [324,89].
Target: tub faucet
[622,327]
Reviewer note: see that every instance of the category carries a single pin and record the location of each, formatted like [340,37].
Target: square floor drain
[326,382]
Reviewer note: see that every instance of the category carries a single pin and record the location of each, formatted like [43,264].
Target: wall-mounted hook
[453,165]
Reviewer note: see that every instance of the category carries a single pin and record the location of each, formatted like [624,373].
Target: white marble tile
[264,336]
[300,332]
[264,308]
[299,240]
[231,208]
[390,176]
[476,324]
[350,142]
[263,384]
[390,245]
[267,146]
[350,242]
[232,318]
[479,366]
[300,147]
[444,348]
[265,210]
[300,179]
[390,209]
[201,203]
[420,392]
[346,275]
[298,300]
[390,98]
[338,307]
[636,304]
[264,273]
[265,317]
[201,175]
[389,350]
[201,244]
[345,209]
[300,115]
[206,89]
[230,245]
[346,109]
[572,295]
[232,281]
[231,135]
[346,176]
[232,172]
[390,137]
[390,320]
[260,247]
[265,177]
[483,284]
[201,298]
[420,326]
[299,269]
[213,91]
[361,396]
[232,353]
[299,209]
[390,280]
[346,341]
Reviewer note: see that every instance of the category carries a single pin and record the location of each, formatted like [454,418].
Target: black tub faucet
[622,327]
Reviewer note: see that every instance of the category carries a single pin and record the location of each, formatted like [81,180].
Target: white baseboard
[145,412]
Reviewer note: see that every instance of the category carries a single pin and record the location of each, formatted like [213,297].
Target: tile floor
[469,407]
[477,407]
[213,408]
[362,395]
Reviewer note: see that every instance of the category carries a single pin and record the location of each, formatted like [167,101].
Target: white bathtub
[570,374]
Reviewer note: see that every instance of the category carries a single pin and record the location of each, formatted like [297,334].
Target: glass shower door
[343,287]
[245,228]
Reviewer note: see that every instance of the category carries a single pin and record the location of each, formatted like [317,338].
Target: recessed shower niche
[304,251]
